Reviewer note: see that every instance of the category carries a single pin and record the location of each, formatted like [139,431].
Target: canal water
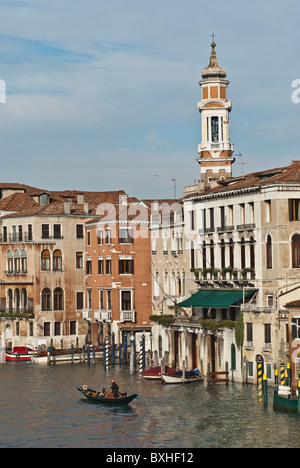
[41,407]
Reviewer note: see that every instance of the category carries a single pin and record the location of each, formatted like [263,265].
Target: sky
[102,94]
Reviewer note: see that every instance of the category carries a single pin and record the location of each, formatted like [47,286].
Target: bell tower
[215,150]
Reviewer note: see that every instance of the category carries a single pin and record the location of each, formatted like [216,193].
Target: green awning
[218,299]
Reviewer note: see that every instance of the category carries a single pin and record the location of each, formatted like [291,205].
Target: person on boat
[115,389]
[103,392]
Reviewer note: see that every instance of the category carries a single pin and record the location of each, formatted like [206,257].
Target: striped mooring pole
[282,373]
[141,356]
[107,351]
[288,374]
[260,379]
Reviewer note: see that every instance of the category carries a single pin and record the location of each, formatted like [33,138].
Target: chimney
[86,208]
[80,198]
[67,204]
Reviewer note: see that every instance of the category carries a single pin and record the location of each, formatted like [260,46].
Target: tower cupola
[215,150]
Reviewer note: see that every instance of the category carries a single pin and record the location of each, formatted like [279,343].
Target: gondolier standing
[115,389]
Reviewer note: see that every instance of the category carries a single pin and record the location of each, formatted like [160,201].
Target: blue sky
[102,94]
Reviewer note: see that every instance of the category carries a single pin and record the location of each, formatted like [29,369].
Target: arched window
[231,253]
[222,253]
[46,299]
[24,301]
[10,261]
[58,299]
[17,299]
[166,282]
[243,253]
[252,252]
[17,261]
[45,260]
[296,251]
[212,254]
[23,261]
[57,260]
[156,284]
[10,299]
[269,252]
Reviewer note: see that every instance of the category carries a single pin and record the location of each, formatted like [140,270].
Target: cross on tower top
[213,37]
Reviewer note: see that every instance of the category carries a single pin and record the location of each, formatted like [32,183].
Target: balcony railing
[127,316]
[16,313]
[102,315]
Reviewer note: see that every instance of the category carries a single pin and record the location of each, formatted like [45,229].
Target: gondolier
[115,389]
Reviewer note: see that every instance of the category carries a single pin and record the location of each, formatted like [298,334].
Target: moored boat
[178,377]
[108,399]
[19,354]
[154,373]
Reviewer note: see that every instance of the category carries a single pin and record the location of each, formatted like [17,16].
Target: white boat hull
[178,379]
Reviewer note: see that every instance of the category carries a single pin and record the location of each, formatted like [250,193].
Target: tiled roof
[287,174]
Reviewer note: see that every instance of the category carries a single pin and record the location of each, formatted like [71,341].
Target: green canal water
[41,407]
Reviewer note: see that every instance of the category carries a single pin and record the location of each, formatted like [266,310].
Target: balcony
[102,315]
[226,274]
[127,316]
[87,314]
[18,313]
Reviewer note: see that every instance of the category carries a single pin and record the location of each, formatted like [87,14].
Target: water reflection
[40,406]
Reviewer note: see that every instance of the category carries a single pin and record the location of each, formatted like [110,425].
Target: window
[72,327]
[29,234]
[243,253]
[89,238]
[267,327]
[57,231]
[57,326]
[296,251]
[295,328]
[10,262]
[192,255]
[46,299]
[269,252]
[294,210]
[100,236]
[249,332]
[126,236]
[89,267]
[45,231]
[214,129]
[192,220]
[222,253]
[45,260]
[20,233]
[242,213]
[108,266]
[58,299]
[79,300]
[79,231]
[4,233]
[108,298]
[100,266]
[23,261]
[57,260]
[108,236]
[268,210]
[17,261]
[270,300]
[222,215]
[211,217]
[212,254]
[47,329]
[30,328]
[101,299]
[126,267]
[252,252]
[125,300]
[79,260]
[231,253]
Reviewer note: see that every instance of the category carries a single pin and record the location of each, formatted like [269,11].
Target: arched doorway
[8,336]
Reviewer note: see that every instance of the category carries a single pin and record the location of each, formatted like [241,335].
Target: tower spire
[215,150]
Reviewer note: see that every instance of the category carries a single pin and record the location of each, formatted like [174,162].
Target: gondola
[94,396]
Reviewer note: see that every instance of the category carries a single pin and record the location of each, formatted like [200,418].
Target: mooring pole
[107,351]
[259,379]
[282,373]
[265,389]
[113,348]
[104,358]
[276,377]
